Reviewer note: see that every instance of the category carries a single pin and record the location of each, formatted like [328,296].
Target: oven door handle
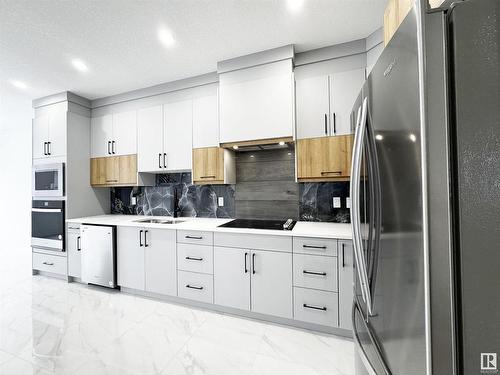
[46,210]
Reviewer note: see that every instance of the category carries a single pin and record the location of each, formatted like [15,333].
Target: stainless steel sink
[159,221]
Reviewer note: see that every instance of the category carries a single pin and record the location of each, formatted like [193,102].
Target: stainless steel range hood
[260,144]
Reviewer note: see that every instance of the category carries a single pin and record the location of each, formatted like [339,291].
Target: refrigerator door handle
[355,220]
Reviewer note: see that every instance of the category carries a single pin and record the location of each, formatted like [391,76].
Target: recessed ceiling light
[413,137]
[235,147]
[379,137]
[79,65]
[252,156]
[295,5]
[19,84]
[165,37]
[282,143]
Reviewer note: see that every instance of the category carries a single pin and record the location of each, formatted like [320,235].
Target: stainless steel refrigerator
[425,189]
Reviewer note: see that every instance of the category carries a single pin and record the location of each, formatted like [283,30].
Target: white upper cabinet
[313,107]
[257,103]
[178,135]
[324,103]
[124,133]
[40,136]
[150,139]
[101,129]
[205,122]
[49,133]
[114,135]
[344,89]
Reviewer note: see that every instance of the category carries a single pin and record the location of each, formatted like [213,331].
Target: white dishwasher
[98,244]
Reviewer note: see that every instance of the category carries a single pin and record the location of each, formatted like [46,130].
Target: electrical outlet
[220,201]
[348,202]
[133,201]
[336,202]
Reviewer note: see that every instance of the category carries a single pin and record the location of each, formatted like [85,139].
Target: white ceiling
[118,38]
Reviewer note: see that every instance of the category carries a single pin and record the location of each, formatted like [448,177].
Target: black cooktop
[258,224]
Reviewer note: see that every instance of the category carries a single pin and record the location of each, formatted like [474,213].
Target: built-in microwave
[48,180]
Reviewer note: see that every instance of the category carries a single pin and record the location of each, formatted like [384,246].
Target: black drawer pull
[314,273]
[207,177]
[194,287]
[314,247]
[314,307]
[194,258]
[195,237]
[48,263]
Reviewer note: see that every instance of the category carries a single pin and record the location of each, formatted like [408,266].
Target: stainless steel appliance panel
[391,235]
[98,249]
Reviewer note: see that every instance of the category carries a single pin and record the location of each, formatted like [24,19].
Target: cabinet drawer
[195,258]
[254,241]
[195,237]
[195,286]
[314,271]
[316,306]
[50,263]
[316,246]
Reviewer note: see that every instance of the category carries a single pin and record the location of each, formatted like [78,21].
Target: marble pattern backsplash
[315,200]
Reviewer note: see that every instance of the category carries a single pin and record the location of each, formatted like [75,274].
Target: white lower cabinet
[316,306]
[315,272]
[50,263]
[260,281]
[346,284]
[130,257]
[271,283]
[232,277]
[195,258]
[196,286]
[160,261]
[74,252]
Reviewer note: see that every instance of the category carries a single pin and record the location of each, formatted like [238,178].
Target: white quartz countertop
[301,228]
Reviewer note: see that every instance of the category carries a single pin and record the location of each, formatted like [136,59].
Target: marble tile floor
[49,326]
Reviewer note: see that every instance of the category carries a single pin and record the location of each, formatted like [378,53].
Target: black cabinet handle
[343,263]
[109,145]
[48,148]
[195,237]
[140,238]
[194,287]
[314,307]
[246,269]
[159,161]
[207,176]
[194,258]
[164,160]
[314,247]
[78,243]
[48,263]
[334,123]
[113,147]
[326,124]
[45,148]
[145,239]
[253,263]
[314,273]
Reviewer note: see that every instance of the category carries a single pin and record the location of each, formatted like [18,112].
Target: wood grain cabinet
[395,13]
[324,158]
[113,171]
[213,165]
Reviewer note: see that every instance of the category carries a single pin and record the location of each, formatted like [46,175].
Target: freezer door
[98,255]
[475,39]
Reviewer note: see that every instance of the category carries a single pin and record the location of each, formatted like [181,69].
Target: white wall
[15,174]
